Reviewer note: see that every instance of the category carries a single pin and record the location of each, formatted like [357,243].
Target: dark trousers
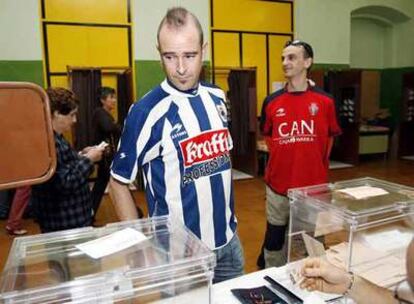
[99,187]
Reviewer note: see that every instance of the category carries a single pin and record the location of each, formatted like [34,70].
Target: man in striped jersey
[177,133]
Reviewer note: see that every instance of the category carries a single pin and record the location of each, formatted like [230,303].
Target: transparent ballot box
[362,225]
[142,261]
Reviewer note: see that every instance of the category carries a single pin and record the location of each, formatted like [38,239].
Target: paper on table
[378,267]
[281,276]
[363,192]
[389,240]
[112,243]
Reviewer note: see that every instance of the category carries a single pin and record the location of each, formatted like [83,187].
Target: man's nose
[181,66]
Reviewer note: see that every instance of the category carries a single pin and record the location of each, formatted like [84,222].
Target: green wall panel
[330,66]
[148,74]
[30,71]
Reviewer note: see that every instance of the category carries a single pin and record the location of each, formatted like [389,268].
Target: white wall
[20,30]
[147,15]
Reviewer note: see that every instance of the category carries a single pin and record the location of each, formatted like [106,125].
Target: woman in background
[104,129]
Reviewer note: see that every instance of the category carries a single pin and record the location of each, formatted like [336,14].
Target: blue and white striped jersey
[181,141]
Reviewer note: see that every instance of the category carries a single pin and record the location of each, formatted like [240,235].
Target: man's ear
[55,114]
[204,50]
[308,62]
[159,52]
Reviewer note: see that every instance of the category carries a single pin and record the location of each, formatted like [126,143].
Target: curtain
[85,84]
[125,94]
[239,82]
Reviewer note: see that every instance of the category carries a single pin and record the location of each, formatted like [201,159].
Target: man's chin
[183,86]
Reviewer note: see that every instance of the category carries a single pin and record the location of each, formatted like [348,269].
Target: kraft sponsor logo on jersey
[205,154]
[205,146]
[296,131]
[205,169]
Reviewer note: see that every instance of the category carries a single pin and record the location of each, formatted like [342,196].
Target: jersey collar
[168,87]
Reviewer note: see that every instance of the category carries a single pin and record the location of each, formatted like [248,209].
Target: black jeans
[99,187]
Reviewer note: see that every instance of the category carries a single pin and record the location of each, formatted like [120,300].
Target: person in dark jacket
[104,129]
[64,201]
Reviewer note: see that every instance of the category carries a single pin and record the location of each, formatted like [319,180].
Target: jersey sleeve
[334,129]
[265,119]
[137,146]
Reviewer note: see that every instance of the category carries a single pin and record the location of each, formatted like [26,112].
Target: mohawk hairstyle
[178,17]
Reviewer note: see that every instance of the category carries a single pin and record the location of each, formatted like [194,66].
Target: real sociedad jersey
[182,142]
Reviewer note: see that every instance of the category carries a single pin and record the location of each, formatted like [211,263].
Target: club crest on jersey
[313,109]
[280,112]
[222,111]
[205,146]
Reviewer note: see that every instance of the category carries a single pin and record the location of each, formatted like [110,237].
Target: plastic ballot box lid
[356,199]
[28,152]
[141,261]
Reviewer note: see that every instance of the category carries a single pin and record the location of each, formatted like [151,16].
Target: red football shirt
[299,126]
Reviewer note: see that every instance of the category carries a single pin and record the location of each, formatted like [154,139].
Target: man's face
[181,55]
[294,62]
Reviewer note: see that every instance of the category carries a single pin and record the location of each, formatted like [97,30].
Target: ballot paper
[382,268]
[112,243]
[363,192]
[389,240]
[313,246]
[281,275]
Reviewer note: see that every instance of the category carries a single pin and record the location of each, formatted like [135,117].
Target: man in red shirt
[299,124]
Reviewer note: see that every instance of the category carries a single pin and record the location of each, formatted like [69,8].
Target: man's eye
[190,56]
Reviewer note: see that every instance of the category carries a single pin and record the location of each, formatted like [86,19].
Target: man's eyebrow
[174,53]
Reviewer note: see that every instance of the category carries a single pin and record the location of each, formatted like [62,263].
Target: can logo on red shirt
[205,146]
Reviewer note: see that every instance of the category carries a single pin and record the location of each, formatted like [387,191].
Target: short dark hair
[104,92]
[178,17]
[307,49]
[62,100]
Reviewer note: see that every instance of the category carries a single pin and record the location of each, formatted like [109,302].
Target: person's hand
[94,153]
[319,274]
[85,150]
